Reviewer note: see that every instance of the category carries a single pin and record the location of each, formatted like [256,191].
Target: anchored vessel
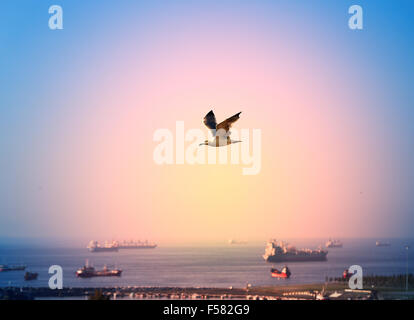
[30,276]
[94,246]
[240,242]
[135,245]
[382,244]
[4,268]
[114,246]
[284,273]
[277,251]
[88,272]
[333,243]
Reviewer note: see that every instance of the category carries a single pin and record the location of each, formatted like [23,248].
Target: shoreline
[318,291]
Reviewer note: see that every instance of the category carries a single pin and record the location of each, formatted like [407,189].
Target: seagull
[221,132]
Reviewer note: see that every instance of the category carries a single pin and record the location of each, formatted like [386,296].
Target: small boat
[30,276]
[284,273]
[346,274]
[4,268]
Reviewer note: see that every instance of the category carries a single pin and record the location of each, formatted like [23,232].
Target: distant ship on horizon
[382,244]
[277,251]
[94,246]
[135,244]
[114,246]
[233,241]
[333,243]
[5,267]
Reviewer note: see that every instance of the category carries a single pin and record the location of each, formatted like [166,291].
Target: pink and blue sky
[79,107]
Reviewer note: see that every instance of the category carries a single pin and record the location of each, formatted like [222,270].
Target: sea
[215,266]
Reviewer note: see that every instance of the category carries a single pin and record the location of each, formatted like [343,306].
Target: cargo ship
[283,274]
[135,245]
[4,268]
[382,244]
[333,243]
[94,246]
[277,251]
[88,272]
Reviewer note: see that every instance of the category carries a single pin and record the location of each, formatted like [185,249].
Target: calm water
[203,266]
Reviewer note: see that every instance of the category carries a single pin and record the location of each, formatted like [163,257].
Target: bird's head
[205,143]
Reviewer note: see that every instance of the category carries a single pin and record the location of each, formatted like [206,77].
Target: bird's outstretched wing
[226,124]
[210,122]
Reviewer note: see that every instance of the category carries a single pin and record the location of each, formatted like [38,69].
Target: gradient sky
[79,107]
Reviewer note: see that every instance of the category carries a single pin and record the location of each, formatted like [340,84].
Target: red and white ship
[284,273]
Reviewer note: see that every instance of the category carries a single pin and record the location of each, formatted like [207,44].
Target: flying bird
[221,132]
